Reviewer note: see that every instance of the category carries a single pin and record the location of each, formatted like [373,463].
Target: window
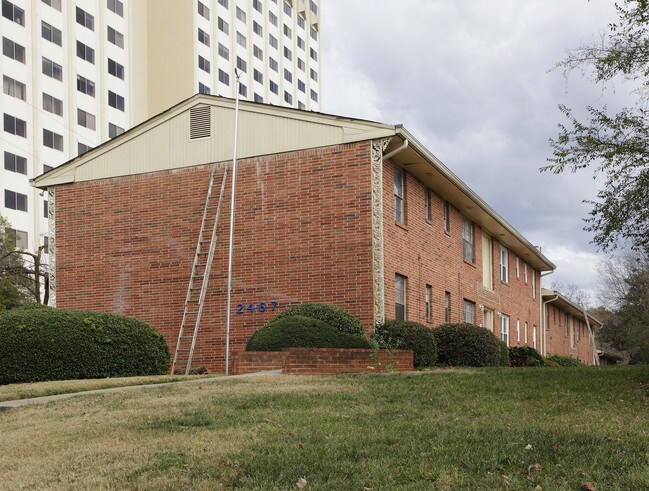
[223,26]
[300,43]
[301,21]
[46,243]
[288,98]
[258,76]
[15,163]
[203,89]
[313,54]
[300,105]
[116,6]
[114,130]
[288,54]
[52,104]
[14,88]
[400,297]
[223,3]
[525,272]
[13,13]
[204,11]
[399,205]
[314,75]
[257,52]
[51,33]
[429,294]
[115,100]
[314,33]
[287,31]
[256,28]
[314,95]
[203,37]
[115,69]
[15,126]
[504,265]
[313,6]
[427,198]
[243,90]
[47,168]
[242,65]
[467,240]
[55,4]
[115,37]
[85,86]
[81,148]
[469,311]
[256,4]
[85,19]
[533,283]
[518,331]
[565,325]
[287,8]
[17,238]
[274,88]
[85,119]
[241,15]
[273,18]
[52,69]
[301,86]
[447,307]
[489,319]
[487,261]
[45,209]
[15,201]
[272,63]
[224,78]
[203,64]
[85,52]
[525,333]
[518,269]
[52,140]
[241,40]
[447,217]
[288,76]
[272,40]
[13,50]
[258,98]
[504,328]
[224,52]
[534,337]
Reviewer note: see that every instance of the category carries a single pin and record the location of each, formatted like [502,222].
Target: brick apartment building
[329,209]
[570,329]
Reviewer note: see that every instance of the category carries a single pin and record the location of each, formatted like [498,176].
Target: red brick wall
[303,233]
[579,345]
[311,361]
[423,252]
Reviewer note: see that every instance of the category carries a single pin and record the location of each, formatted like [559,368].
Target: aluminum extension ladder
[199,279]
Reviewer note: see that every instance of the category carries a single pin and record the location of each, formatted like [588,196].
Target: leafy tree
[23,274]
[615,147]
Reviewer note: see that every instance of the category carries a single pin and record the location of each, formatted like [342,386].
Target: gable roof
[164,143]
[568,305]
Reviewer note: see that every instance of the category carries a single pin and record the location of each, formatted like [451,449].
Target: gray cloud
[470,79]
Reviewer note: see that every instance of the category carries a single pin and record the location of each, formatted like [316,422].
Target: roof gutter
[396,150]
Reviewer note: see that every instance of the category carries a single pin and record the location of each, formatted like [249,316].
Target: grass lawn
[472,429]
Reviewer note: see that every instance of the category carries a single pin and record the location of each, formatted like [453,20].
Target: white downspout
[545,320]
[544,330]
[592,337]
[396,150]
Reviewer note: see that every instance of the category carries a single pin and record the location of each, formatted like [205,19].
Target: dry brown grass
[137,440]
[12,392]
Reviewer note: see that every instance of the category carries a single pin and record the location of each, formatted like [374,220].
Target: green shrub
[296,331]
[504,354]
[640,356]
[562,361]
[524,356]
[467,345]
[48,344]
[394,334]
[330,314]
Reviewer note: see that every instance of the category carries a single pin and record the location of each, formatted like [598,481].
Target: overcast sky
[471,80]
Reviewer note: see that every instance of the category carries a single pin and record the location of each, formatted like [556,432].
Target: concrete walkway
[45,399]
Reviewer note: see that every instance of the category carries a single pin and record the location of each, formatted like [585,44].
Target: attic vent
[199,122]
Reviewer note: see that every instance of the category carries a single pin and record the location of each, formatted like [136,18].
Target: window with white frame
[489,319]
[518,331]
[399,201]
[468,244]
[533,283]
[469,311]
[504,264]
[427,204]
[525,332]
[51,69]
[447,307]
[518,269]
[429,310]
[14,88]
[447,217]
[534,337]
[13,13]
[504,328]
[400,297]
[525,272]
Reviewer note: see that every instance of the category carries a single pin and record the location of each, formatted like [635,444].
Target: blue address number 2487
[260,307]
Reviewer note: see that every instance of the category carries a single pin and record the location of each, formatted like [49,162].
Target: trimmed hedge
[468,345]
[330,314]
[524,356]
[562,361]
[296,331]
[39,344]
[394,334]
